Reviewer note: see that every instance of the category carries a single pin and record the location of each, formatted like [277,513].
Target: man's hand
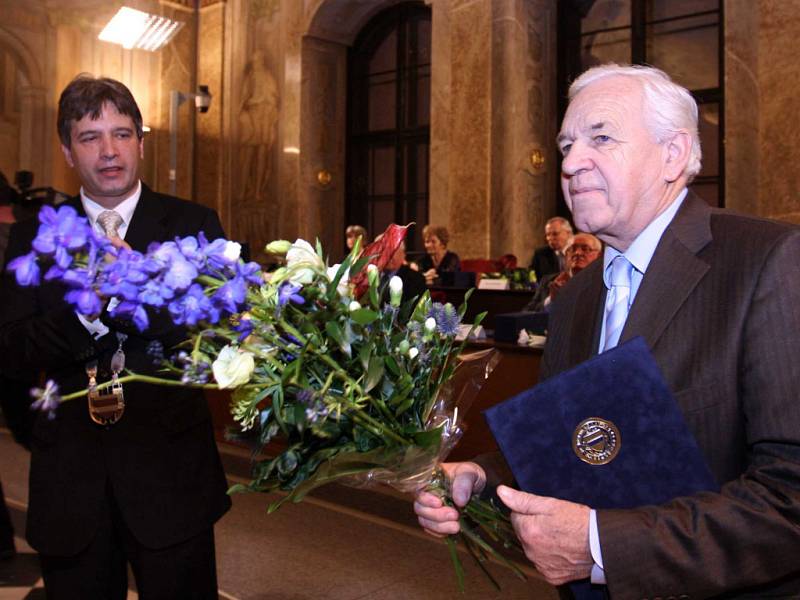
[559,282]
[466,479]
[554,534]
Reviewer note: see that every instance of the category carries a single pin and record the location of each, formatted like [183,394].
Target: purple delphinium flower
[46,400]
[230,296]
[85,300]
[250,272]
[245,328]
[26,269]
[288,291]
[193,307]
[315,407]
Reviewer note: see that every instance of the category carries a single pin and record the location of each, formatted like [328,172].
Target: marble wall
[277,72]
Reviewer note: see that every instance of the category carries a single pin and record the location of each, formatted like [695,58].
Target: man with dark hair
[148,488]
[716,297]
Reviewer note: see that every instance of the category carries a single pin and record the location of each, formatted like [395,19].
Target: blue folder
[627,410]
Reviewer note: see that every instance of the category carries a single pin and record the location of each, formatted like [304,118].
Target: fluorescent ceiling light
[133,28]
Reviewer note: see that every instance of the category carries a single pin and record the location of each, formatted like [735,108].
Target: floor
[341,544]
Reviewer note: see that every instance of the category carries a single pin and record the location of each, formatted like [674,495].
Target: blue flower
[86,301]
[231,295]
[193,307]
[180,275]
[250,272]
[47,399]
[132,311]
[446,317]
[289,292]
[26,269]
[244,327]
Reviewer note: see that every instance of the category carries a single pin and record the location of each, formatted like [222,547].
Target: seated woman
[439,259]
[352,233]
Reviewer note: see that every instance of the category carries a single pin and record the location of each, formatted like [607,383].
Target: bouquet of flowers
[360,387]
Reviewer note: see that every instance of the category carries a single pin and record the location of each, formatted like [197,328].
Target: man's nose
[576,160]
[108,148]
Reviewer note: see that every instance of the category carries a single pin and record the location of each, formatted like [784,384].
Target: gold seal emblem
[596,441]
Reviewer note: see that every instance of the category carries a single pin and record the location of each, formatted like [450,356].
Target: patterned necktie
[110,221]
[618,301]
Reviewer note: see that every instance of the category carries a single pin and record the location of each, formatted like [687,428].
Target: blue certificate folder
[657,456]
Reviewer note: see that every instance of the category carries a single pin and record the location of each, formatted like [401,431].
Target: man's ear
[678,149]
[67,155]
[141,148]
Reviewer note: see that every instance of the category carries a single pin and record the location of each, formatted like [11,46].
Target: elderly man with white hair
[716,296]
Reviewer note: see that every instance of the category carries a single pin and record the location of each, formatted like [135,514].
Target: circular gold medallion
[596,441]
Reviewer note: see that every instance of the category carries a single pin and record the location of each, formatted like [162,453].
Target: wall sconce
[324,177]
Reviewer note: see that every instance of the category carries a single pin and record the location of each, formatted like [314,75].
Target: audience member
[438,258]
[716,295]
[413,281]
[583,250]
[354,232]
[550,258]
[148,488]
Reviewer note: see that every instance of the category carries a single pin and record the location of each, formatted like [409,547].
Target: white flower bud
[430,324]
[412,353]
[395,290]
[279,247]
[354,306]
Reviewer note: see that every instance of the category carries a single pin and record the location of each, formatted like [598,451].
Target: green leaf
[429,439]
[335,332]
[374,373]
[364,316]
[392,365]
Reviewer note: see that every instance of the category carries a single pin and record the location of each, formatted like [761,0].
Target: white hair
[669,106]
[564,223]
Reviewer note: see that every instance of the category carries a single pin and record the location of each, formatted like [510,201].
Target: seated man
[583,250]
[550,258]
[413,281]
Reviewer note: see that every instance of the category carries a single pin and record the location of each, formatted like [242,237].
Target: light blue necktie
[618,301]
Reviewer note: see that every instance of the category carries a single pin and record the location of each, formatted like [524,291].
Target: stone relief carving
[258,118]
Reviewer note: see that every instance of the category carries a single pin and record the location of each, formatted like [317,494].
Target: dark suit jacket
[719,306]
[545,262]
[160,460]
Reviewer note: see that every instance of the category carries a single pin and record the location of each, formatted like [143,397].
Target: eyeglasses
[583,248]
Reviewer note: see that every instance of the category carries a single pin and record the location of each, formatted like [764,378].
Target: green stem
[154,380]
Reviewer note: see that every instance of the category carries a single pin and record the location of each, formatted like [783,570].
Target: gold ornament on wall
[324,177]
[537,159]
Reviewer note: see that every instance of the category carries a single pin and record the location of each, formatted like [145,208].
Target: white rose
[302,262]
[233,367]
[344,283]
[232,251]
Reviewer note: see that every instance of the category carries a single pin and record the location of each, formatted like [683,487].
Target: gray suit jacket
[720,308]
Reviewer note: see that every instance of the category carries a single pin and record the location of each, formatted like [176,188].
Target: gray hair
[562,221]
[669,106]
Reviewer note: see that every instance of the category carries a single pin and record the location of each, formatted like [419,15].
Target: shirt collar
[641,251]
[124,209]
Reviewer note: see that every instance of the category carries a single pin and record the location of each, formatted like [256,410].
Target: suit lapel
[586,320]
[673,273]
[147,223]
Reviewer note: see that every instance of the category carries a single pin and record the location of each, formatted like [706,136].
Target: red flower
[379,253]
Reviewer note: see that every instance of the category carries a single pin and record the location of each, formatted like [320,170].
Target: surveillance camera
[202,99]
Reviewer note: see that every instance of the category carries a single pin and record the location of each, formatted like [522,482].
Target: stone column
[491,108]
[32,128]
